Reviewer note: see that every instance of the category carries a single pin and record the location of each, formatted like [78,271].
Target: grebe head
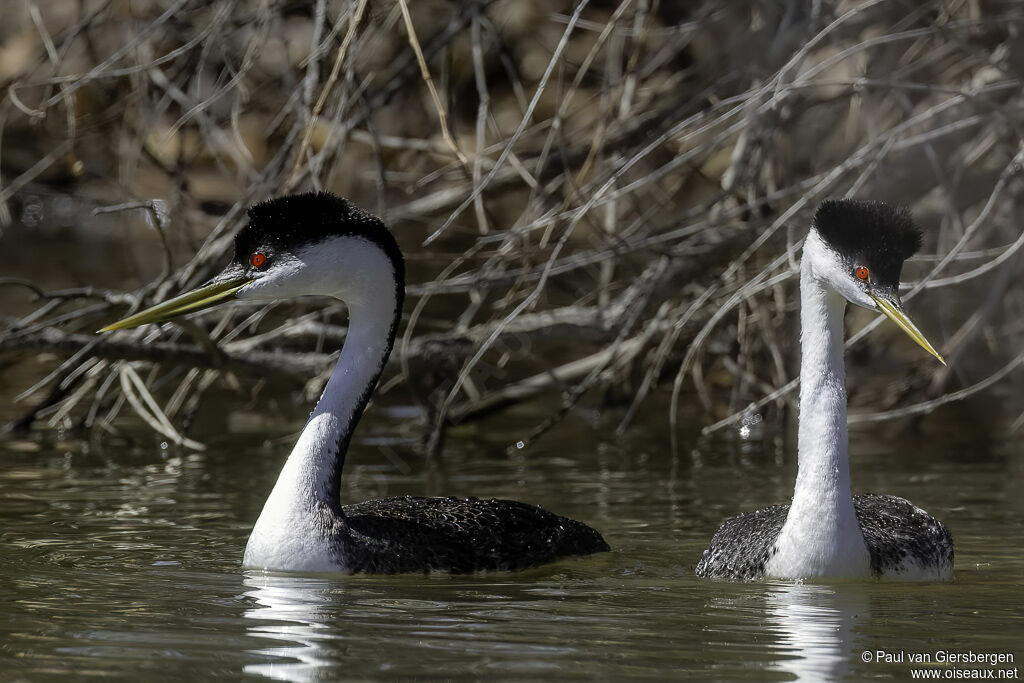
[857,248]
[314,243]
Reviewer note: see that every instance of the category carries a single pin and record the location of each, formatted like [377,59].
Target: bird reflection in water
[296,612]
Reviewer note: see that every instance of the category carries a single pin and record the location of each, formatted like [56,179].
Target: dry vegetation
[600,201]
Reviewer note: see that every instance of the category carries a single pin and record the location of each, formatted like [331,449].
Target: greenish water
[121,559]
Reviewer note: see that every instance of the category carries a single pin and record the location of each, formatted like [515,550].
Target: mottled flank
[741,546]
[869,233]
[902,539]
[411,534]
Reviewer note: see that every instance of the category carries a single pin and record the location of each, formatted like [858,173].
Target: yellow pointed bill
[197,299]
[893,310]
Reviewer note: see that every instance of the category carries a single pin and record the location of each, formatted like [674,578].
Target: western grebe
[854,252]
[322,244]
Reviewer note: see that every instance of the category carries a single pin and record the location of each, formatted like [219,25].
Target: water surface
[121,558]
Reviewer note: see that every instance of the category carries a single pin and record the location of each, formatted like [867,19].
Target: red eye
[862,273]
[258,260]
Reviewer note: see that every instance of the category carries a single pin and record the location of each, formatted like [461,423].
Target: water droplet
[750,423]
[520,444]
[164,445]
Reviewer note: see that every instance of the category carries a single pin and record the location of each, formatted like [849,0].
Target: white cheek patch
[350,268]
[276,282]
[829,267]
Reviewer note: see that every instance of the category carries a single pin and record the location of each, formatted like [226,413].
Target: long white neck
[821,536]
[297,529]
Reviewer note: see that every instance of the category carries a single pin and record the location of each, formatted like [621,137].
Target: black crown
[286,223]
[870,233]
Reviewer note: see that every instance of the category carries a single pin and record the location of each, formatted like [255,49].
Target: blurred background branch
[640,175]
